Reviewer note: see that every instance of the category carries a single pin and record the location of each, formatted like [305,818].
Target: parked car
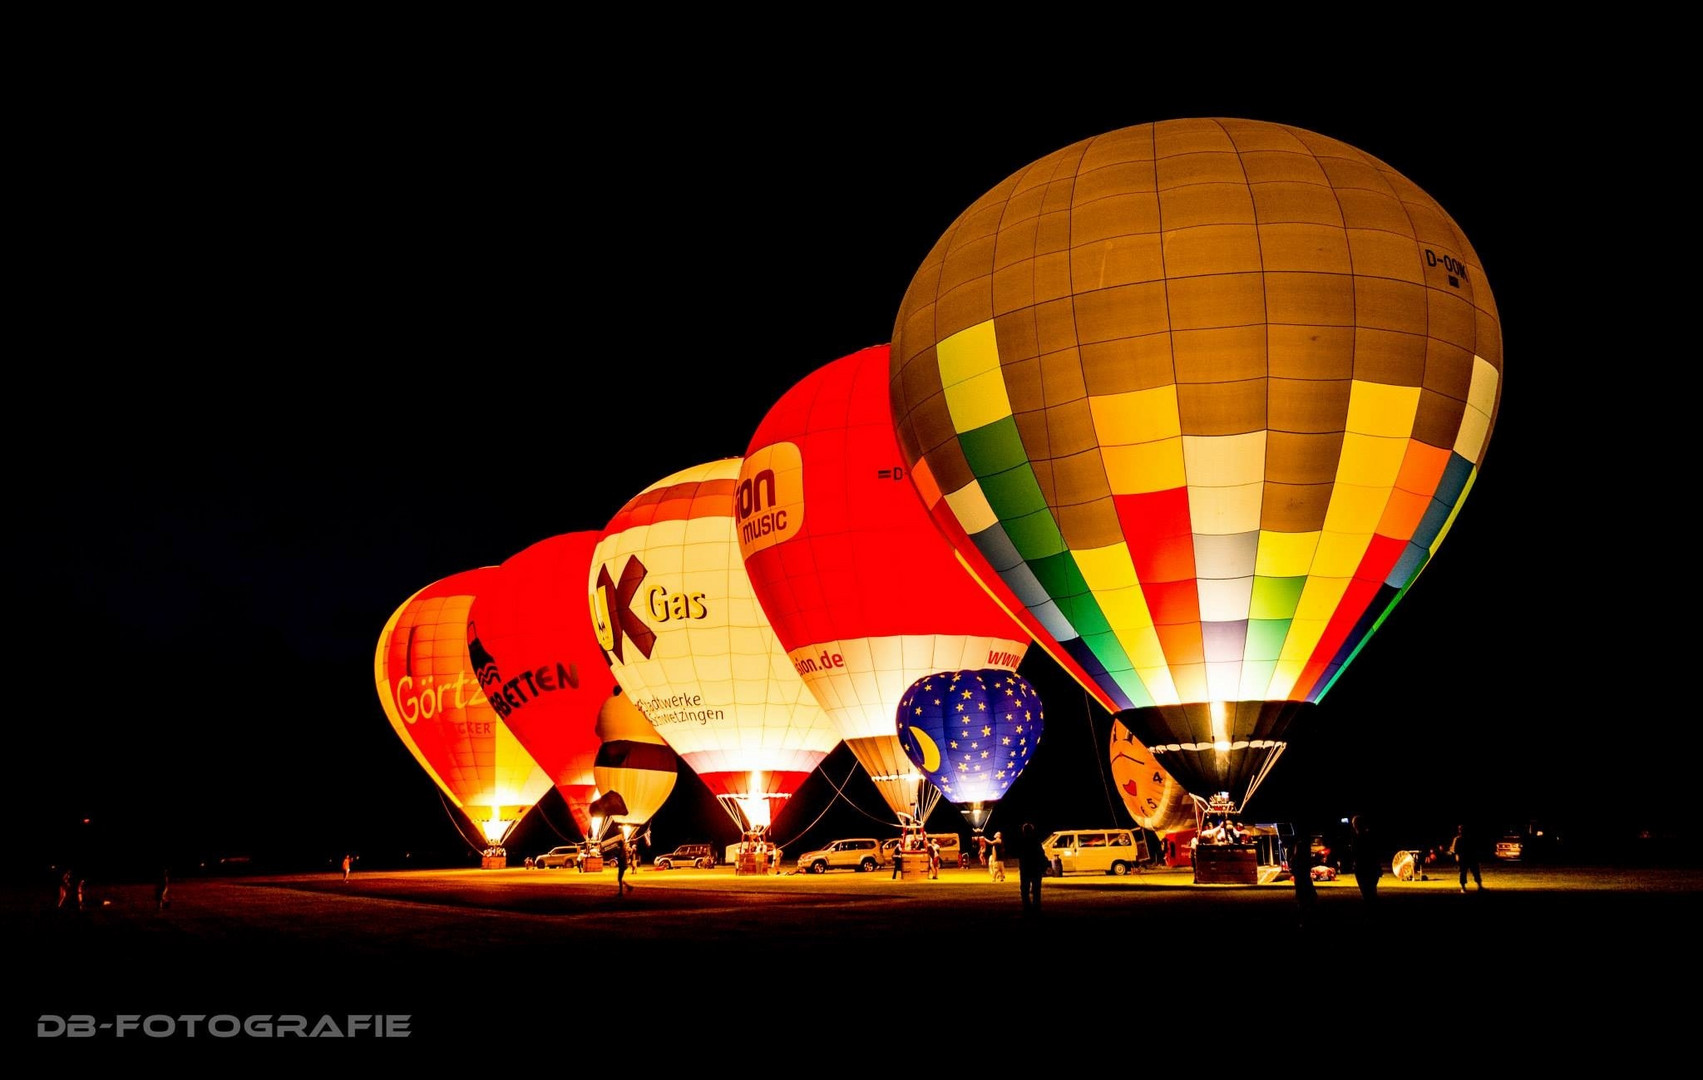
[565,857]
[863,854]
[1510,847]
[699,856]
[1095,851]
[1320,853]
[1532,842]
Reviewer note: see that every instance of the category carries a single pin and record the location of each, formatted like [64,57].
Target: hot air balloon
[690,645]
[633,760]
[1203,396]
[539,663]
[428,690]
[971,732]
[1153,797]
[860,586]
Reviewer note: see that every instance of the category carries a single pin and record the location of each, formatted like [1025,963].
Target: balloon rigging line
[1102,763]
[926,803]
[839,793]
[1265,769]
[456,821]
[560,835]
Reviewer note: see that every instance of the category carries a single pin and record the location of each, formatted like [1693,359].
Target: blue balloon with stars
[970,732]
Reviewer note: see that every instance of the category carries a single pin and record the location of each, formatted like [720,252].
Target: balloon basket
[913,865]
[1226,864]
[493,862]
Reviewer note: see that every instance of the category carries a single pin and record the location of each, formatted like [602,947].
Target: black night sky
[300,349]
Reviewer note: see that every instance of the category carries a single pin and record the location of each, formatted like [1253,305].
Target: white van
[1096,851]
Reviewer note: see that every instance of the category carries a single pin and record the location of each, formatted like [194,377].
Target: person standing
[348,862]
[621,885]
[162,890]
[1301,869]
[1464,847]
[1368,862]
[1031,867]
[996,857]
[981,850]
[934,860]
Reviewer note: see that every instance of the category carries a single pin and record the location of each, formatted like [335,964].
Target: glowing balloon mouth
[758,811]
[496,830]
[1220,729]
[911,776]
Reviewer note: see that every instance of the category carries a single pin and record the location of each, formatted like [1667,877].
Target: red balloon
[537,658]
[862,589]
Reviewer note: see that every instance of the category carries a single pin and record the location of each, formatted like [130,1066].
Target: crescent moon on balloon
[930,752]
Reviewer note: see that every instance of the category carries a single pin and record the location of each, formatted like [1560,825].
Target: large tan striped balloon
[1200,398]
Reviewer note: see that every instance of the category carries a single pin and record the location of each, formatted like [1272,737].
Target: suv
[701,856]
[565,857]
[1511,846]
[863,854]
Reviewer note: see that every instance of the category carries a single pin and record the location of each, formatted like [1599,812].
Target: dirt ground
[536,961]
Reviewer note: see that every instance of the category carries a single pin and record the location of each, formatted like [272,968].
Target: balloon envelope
[539,663]
[428,690]
[633,759]
[971,732]
[1153,797]
[688,641]
[860,586]
[1203,396]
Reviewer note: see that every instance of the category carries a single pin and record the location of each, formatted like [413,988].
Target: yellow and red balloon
[428,690]
[1153,797]
[1203,397]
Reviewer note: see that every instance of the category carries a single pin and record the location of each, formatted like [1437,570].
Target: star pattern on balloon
[989,722]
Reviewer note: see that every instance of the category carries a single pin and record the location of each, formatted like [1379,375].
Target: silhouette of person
[1300,865]
[162,890]
[621,885]
[1368,862]
[1031,867]
[898,858]
[65,888]
[348,863]
[1464,847]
